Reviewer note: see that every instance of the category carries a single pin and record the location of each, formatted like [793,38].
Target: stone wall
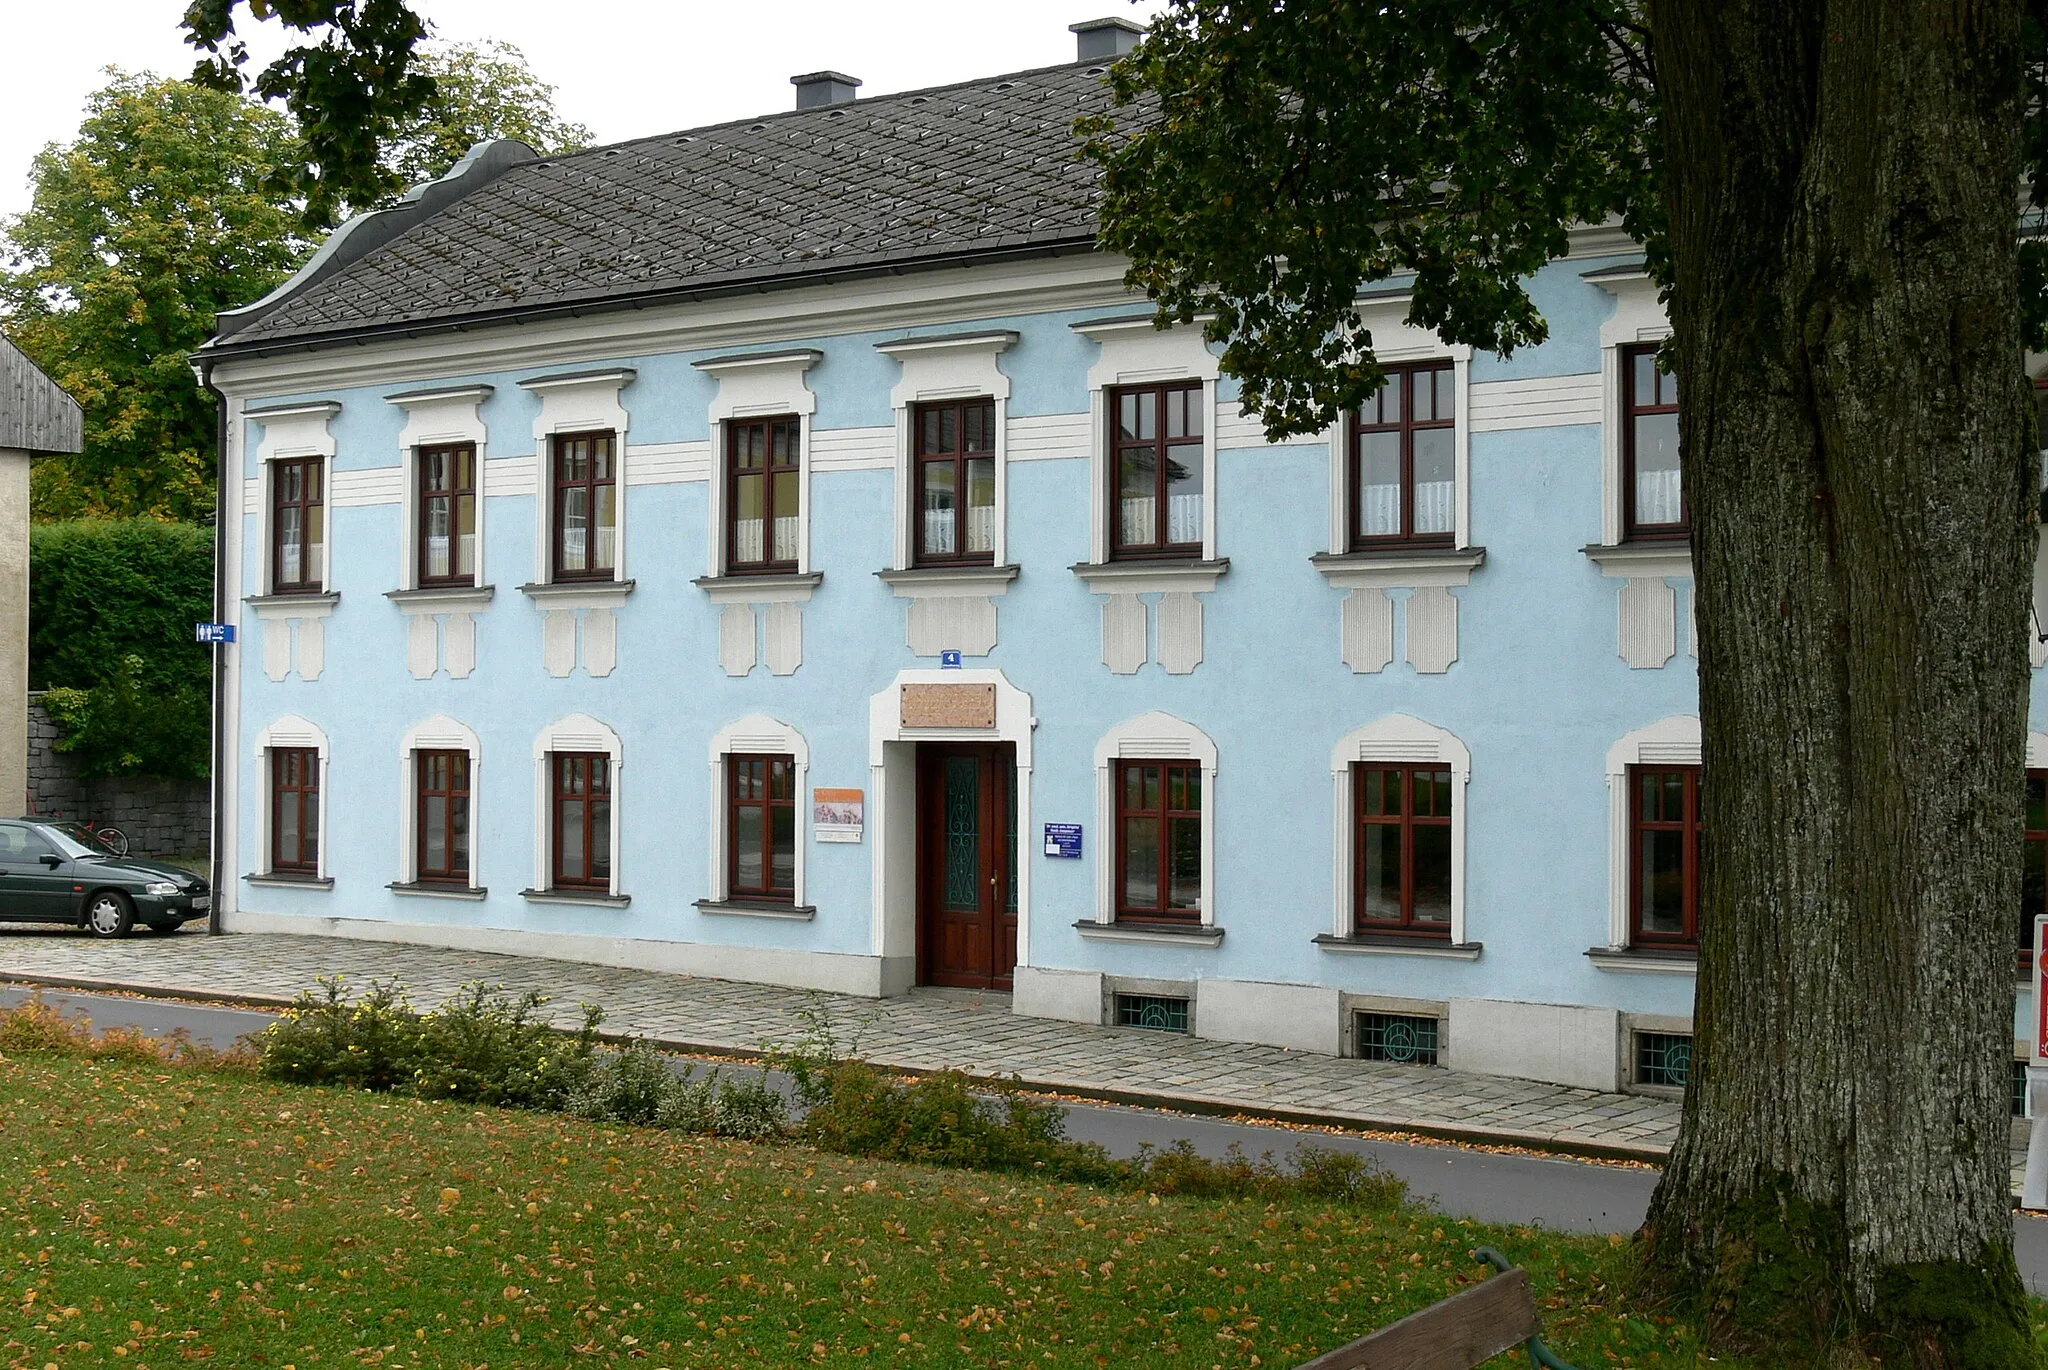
[161,817]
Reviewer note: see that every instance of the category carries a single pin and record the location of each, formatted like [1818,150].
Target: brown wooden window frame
[1407,820]
[302,794]
[736,767]
[311,504]
[1631,409]
[598,768]
[1165,815]
[1407,426]
[559,488]
[458,493]
[457,790]
[1690,825]
[768,565]
[1162,447]
[958,459]
[2036,838]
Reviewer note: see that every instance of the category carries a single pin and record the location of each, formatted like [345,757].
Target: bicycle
[106,834]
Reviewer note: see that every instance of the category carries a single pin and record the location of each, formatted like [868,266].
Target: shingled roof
[981,168]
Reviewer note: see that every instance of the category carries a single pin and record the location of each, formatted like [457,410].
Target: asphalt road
[1503,1187]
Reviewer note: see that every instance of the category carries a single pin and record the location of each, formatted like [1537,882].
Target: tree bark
[1842,185]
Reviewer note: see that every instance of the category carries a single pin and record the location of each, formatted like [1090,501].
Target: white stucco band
[892,809]
[1299,1017]
[1562,1044]
[1070,996]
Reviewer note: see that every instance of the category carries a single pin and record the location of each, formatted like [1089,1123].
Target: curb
[1196,1105]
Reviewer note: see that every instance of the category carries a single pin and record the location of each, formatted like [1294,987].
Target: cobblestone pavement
[925,1030]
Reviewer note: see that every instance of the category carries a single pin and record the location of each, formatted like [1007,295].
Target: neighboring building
[37,419]
[785,551]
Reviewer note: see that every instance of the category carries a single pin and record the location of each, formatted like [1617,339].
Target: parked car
[58,873]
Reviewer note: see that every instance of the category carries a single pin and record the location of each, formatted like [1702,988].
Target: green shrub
[948,1119]
[1310,1171]
[111,608]
[484,1048]
[639,1084]
[328,1038]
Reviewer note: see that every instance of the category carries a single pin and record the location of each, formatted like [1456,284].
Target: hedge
[111,608]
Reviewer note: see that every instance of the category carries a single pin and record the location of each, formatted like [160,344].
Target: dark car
[57,873]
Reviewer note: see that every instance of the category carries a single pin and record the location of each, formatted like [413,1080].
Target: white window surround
[1134,352]
[1151,737]
[443,417]
[295,732]
[757,734]
[437,734]
[292,432]
[576,733]
[1638,317]
[1395,341]
[1673,741]
[577,402]
[2037,751]
[954,366]
[751,386]
[1397,738]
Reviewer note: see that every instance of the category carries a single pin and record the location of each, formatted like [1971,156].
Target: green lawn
[159,1216]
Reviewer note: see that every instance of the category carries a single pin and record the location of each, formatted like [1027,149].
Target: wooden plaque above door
[949,706]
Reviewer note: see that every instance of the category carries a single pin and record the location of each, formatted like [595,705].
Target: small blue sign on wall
[213,632]
[949,659]
[1063,840]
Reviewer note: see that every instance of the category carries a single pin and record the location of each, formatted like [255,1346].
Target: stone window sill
[438,596]
[323,599]
[1153,934]
[1399,568]
[1645,559]
[290,882]
[948,581]
[1643,960]
[1386,944]
[774,588]
[433,891]
[590,898]
[757,908]
[1151,577]
[580,592]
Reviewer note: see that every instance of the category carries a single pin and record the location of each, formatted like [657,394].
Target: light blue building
[784,551]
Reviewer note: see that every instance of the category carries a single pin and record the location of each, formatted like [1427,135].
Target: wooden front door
[966,845]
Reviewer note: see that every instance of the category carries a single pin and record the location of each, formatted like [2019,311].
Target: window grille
[1402,1038]
[2019,1089]
[1157,1012]
[1663,1058]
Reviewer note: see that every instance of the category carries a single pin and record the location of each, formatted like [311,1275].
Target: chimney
[1097,40]
[820,88]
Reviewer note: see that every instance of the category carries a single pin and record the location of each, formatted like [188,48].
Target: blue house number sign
[1063,840]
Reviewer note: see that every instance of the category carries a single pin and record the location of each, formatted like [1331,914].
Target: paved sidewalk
[926,1030]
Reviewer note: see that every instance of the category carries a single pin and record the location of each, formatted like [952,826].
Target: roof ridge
[816,111]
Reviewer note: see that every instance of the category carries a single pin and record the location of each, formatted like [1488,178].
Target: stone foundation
[161,817]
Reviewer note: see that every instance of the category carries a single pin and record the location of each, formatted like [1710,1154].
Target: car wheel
[109,914]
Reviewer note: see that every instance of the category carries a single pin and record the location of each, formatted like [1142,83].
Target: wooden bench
[1458,1333]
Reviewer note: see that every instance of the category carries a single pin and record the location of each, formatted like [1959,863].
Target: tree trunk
[1842,181]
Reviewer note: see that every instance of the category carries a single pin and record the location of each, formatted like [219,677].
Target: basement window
[1154,1012]
[1402,1038]
[1663,1059]
[2019,1089]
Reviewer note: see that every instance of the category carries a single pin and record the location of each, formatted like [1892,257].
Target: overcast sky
[625,68]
